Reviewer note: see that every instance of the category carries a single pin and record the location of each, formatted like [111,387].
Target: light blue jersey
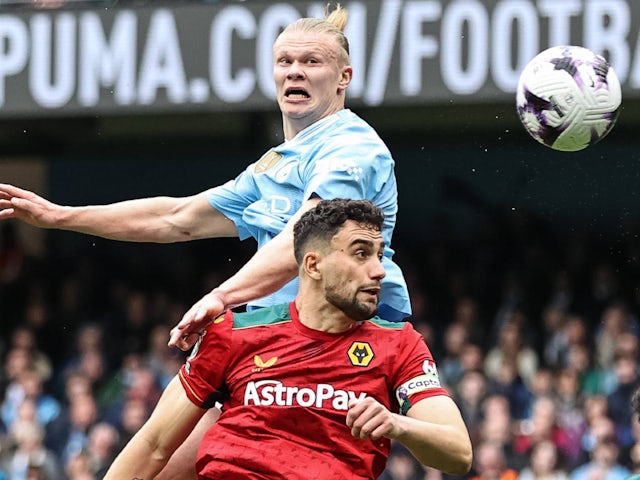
[340,156]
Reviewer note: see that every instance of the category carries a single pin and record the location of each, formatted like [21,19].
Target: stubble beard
[351,307]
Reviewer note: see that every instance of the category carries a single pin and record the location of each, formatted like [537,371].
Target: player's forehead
[304,42]
[353,232]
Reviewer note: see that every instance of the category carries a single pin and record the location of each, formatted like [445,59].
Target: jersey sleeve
[202,375]
[348,167]
[233,197]
[417,376]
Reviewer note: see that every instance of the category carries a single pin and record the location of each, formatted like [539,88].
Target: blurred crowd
[534,329]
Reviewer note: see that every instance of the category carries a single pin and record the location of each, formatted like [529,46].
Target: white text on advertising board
[402,51]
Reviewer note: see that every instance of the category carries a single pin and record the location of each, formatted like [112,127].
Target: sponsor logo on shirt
[261,364]
[266,393]
[341,165]
[267,161]
[360,354]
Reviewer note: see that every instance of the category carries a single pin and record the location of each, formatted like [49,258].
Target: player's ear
[310,265]
[345,78]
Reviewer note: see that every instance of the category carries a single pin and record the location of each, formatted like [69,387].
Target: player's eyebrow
[364,241]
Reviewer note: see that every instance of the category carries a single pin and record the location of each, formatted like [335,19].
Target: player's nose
[377,269]
[295,70]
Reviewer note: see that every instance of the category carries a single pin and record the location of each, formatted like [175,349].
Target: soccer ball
[568,98]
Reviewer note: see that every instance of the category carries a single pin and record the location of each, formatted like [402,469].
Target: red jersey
[287,390]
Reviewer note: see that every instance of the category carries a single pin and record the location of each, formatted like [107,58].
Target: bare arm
[159,219]
[433,431]
[270,268]
[182,463]
[151,447]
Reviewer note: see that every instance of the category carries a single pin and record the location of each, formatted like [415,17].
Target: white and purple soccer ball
[568,98]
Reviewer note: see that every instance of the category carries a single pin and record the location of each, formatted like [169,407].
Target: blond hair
[333,23]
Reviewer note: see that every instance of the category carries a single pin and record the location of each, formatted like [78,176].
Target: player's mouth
[373,292]
[296,93]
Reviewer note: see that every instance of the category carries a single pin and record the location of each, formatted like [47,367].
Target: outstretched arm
[433,430]
[173,418]
[270,268]
[158,219]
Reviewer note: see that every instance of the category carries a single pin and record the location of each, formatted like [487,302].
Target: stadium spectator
[69,435]
[79,468]
[24,337]
[466,312]
[30,453]
[472,358]
[618,401]
[470,393]
[86,358]
[506,381]
[544,463]
[616,321]
[141,385]
[598,427]
[29,386]
[603,464]
[102,447]
[542,426]
[554,350]
[490,463]
[133,414]
[402,465]
[497,427]
[456,337]
[542,383]
[592,379]
[512,349]
[568,400]
[164,361]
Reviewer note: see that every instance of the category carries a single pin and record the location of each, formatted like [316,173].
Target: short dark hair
[328,216]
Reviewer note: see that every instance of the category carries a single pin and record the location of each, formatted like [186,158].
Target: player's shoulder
[347,121]
[262,317]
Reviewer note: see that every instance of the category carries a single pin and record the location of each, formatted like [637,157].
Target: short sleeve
[233,197]
[202,375]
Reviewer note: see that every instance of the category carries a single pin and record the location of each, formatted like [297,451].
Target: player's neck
[292,125]
[318,314]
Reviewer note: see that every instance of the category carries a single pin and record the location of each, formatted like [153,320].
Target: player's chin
[296,109]
[368,308]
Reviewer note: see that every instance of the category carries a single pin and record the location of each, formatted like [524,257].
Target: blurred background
[523,263]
